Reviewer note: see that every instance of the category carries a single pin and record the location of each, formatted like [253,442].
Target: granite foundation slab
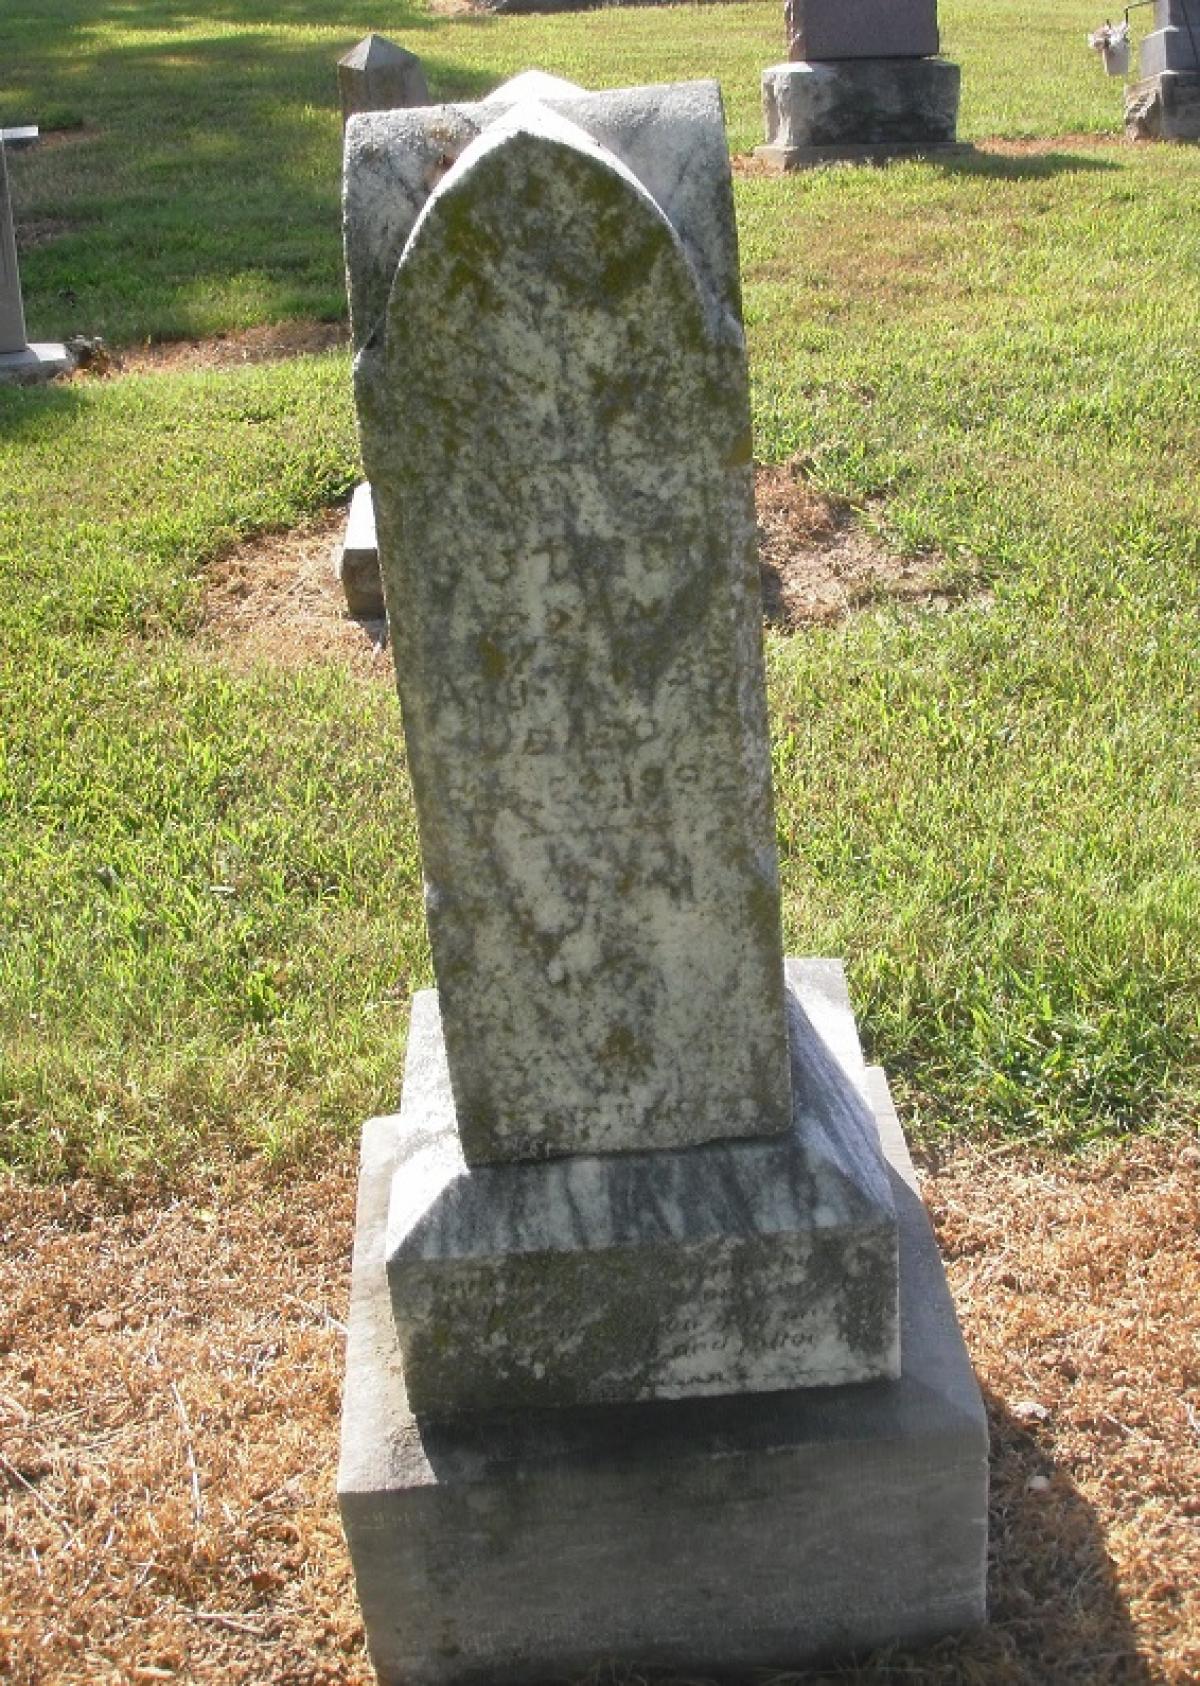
[34,364]
[356,558]
[708,1535]
[1163,107]
[735,1267]
[816,113]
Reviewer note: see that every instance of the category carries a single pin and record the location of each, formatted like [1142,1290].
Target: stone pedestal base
[356,559]
[36,363]
[860,109]
[715,1534]
[1165,107]
[736,1266]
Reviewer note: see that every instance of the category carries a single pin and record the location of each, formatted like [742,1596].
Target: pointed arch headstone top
[560,465]
[672,138]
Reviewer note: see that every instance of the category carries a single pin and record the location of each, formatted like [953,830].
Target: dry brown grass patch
[169,1395]
[268,343]
[820,563]
[274,599]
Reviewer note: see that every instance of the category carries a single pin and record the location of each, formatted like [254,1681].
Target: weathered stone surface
[729,1268]
[702,1535]
[671,138]
[555,424]
[862,29]
[380,75]
[12,310]
[1163,107]
[356,558]
[1174,41]
[41,361]
[812,110]
[21,364]
[532,84]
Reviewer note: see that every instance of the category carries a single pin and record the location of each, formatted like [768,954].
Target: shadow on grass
[1030,166]
[211,196]
[31,415]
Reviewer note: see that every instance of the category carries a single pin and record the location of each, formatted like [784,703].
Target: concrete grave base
[36,363]
[356,559]
[815,113]
[1165,107]
[714,1534]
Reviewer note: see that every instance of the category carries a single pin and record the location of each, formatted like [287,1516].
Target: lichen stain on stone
[492,659]
[572,637]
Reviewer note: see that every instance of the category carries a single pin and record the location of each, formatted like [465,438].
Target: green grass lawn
[210,914]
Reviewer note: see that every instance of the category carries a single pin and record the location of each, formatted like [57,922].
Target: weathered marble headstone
[636,1180]
[862,84]
[380,75]
[1164,103]
[21,364]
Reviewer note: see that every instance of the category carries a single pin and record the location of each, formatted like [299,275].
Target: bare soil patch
[1041,145]
[268,343]
[820,563]
[52,139]
[40,231]
[275,600]
[169,1395]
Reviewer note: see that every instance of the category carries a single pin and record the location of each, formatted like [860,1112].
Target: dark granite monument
[1164,103]
[862,84]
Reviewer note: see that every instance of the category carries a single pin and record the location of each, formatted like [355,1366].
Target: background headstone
[1164,103]
[13,337]
[379,75]
[20,363]
[862,29]
[862,85]
[356,558]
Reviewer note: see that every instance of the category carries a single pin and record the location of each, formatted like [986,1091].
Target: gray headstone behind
[380,75]
[12,310]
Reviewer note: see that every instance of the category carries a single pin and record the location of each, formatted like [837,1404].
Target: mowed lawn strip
[210,908]
[192,184]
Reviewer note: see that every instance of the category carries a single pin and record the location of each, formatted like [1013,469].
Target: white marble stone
[555,423]
[356,558]
[672,138]
[532,84]
[739,1267]
[707,1536]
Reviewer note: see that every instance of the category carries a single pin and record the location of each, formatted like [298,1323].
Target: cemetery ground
[987,795]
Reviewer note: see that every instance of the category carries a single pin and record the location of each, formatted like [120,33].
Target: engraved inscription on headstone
[561,473]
